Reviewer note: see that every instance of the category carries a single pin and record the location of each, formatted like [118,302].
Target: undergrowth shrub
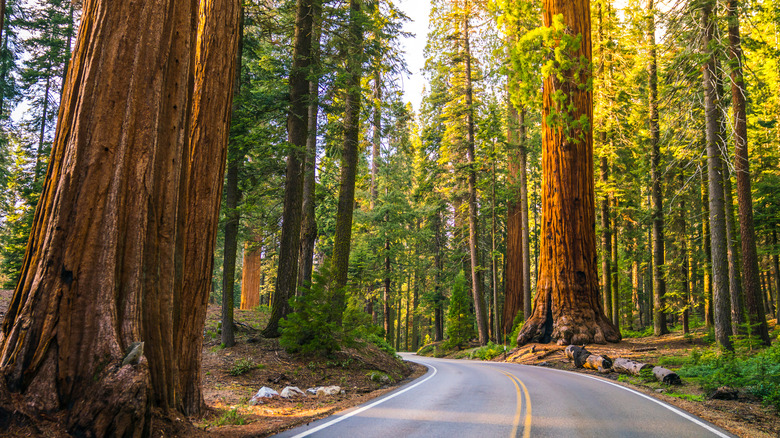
[757,373]
[628,333]
[489,351]
[460,321]
[307,330]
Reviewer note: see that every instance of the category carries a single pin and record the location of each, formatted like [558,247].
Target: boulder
[328,390]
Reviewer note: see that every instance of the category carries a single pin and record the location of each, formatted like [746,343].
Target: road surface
[460,398]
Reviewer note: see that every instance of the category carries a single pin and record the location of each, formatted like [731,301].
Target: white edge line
[364,408]
[654,400]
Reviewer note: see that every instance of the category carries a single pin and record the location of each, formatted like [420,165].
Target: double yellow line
[527,424]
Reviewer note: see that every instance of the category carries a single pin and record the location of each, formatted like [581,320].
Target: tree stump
[598,363]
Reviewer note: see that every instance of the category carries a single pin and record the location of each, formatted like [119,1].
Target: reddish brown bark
[117,219]
[567,306]
[513,301]
[251,275]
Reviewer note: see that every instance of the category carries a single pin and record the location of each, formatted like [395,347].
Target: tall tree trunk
[251,274]
[720,269]
[308,220]
[297,135]
[386,296]
[742,167]
[346,205]
[615,279]
[706,248]
[567,306]
[76,314]
[514,293]
[438,261]
[735,285]
[476,280]
[42,130]
[659,282]
[606,243]
[415,316]
[776,265]
[493,253]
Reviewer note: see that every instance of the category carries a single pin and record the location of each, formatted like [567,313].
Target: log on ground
[628,366]
[578,354]
[599,363]
[666,376]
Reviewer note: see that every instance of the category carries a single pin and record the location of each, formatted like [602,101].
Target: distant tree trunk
[615,279]
[514,293]
[232,196]
[346,204]
[493,265]
[567,306]
[735,285]
[438,261]
[606,243]
[706,248]
[636,307]
[776,265]
[683,229]
[386,296]
[659,282]
[415,316]
[308,220]
[112,226]
[476,280]
[297,135]
[2,18]
[251,275]
[720,269]
[742,168]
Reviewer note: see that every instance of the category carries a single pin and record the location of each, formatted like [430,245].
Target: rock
[379,377]
[328,390]
[660,391]
[264,392]
[291,391]
[313,391]
[725,393]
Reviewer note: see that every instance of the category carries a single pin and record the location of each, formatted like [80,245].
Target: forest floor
[745,417]
[231,376]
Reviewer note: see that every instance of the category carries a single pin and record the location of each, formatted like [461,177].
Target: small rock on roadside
[264,392]
[660,391]
[291,391]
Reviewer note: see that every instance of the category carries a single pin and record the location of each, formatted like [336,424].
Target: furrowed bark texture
[297,135]
[104,262]
[567,306]
[720,282]
[750,278]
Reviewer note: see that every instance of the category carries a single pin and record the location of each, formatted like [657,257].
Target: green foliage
[489,351]
[230,418]
[243,365]
[381,343]
[460,320]
[628,333]
[307,329]
[759,373]
[517,324]
[380,377]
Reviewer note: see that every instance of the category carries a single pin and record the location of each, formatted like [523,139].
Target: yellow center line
[527,424]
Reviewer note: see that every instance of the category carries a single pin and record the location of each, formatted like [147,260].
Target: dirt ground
[744,417]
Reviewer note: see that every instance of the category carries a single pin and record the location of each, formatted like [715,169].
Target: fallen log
[628,366]
[578,354]
[666,376]
[599,363]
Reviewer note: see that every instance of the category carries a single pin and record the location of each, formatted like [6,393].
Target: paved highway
[459,398]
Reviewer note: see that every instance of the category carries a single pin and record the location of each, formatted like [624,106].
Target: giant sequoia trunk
[131,198]
[567,306]
[750,279]
[514,296]
[297,135]
[251,274]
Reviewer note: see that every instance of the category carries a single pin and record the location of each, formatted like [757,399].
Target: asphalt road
[460,398]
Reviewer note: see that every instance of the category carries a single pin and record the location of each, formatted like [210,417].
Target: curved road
[459,398]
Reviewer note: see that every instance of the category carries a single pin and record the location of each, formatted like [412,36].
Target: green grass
[243,366]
